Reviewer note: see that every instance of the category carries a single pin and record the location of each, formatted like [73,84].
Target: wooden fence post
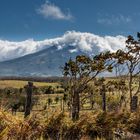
[29,90]
[134,103]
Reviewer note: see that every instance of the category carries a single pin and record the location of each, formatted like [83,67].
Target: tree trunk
[122,100]
[29,89]
[130,89]
[103,93]
[62,105]
[134,104]
[91,101]
[75,106]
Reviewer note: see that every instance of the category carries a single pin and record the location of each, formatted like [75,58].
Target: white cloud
[49,10]
[85,42]
[114,19]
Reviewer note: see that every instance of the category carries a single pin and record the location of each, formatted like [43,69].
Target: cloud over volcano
[85,42]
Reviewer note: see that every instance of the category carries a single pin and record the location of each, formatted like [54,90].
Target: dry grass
[91,125]
[20,84]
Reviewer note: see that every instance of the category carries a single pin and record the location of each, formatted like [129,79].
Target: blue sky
[40,19]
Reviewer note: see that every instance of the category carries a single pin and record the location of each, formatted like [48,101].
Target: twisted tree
[81,71]
[130,57]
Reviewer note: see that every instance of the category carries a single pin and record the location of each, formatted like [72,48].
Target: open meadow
[21,84]
[50,116]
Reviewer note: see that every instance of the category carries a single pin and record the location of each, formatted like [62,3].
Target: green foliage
[49,101]
[65,97]
[57,99]
[85,66]
[49,90]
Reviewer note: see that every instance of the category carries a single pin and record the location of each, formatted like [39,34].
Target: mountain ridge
[46,62]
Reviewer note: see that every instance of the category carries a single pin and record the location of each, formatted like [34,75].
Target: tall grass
[58,126]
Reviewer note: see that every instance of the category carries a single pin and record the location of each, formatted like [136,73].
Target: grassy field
[20,84]
[48,120]
[42,98]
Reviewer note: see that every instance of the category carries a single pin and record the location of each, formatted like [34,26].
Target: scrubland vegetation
[82,107]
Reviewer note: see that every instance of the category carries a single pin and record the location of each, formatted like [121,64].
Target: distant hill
[47,62]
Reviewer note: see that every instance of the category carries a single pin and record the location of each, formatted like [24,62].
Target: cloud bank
[49,10]
[114,19]
[85,42]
